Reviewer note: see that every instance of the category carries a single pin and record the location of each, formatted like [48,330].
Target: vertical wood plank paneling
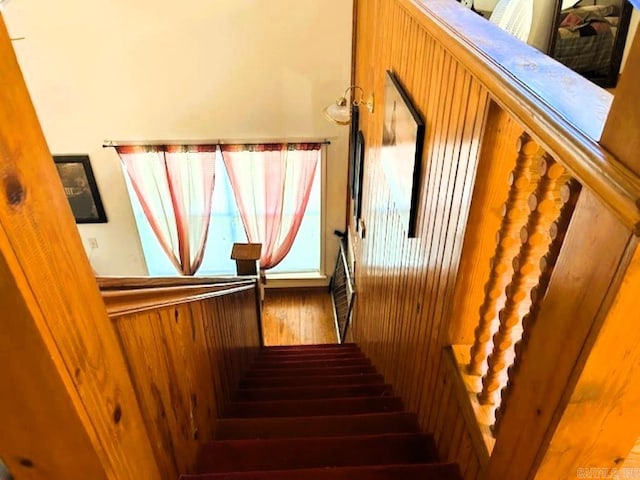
[29,375]
[448,424]
[449,96]
[456,440]
[440,395]
[431,85]
[473,470]
[441,427]
[50,292]
[406,285]
[465,453]
[184,360]
[422,50]
[452,241]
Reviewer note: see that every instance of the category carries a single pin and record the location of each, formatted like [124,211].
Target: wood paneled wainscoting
[498,323]
[186,343]
[68,408]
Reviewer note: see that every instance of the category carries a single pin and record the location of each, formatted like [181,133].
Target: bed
[586,37]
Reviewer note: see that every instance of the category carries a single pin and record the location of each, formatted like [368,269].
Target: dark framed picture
[80,187]
[401,155]
[353,134]
[358,175]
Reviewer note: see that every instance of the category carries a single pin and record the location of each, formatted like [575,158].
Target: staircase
[318,412]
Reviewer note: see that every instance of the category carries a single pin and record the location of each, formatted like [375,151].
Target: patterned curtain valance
[269,147]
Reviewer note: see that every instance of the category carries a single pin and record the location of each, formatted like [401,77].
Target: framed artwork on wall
[80,187]
[353,134]
[358,174]
[401,154]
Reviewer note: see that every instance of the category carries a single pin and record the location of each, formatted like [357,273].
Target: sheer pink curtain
[174,185]
[271,184]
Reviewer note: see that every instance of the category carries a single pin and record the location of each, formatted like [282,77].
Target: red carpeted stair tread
[311,392]
[300,381]
[318,426]
[304,372]
[428,471]
[306,349]
[276,352]
[291,453]
[322,363]
[291,357]
[317,412]
[311,346]
[323,406]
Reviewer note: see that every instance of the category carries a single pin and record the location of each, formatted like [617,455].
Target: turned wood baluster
[535,242]
[514,215]
[569,194]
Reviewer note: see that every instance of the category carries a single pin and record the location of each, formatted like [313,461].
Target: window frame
[321,175]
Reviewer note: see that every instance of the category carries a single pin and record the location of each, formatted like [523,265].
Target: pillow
[600,10]
[571,20]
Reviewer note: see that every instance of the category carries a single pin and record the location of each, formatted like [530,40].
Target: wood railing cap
[547,98]
[125,295]
[129,282]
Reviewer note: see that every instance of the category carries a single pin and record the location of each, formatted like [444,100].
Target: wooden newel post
[247,257]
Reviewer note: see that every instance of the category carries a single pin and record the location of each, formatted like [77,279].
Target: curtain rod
[121,143]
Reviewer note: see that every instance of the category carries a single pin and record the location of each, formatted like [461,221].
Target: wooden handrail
[541,94]
[123,296]
[117,282]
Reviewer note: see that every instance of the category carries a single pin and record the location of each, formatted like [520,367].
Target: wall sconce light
[340,111]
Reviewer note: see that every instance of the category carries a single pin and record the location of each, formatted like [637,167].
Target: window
[226,228]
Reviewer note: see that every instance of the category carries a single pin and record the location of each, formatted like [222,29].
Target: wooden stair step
[274,365]
[294,357]
[317,371]
[274,382]
[311,392]
[317,426]
[307,350]
[292,453]
[311,347]
[323,406]
[421,471]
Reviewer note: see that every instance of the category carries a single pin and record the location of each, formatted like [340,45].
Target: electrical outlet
[93,243]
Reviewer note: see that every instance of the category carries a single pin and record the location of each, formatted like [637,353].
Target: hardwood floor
[298,317]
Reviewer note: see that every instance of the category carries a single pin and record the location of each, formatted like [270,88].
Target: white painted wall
[188,70]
